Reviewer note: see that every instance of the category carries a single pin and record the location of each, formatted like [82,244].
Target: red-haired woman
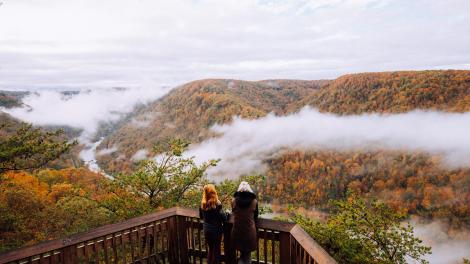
[214,218]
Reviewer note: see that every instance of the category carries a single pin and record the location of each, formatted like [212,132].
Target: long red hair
[210,198]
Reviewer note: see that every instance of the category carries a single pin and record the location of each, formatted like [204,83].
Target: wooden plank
[183,239]
[200,241]
[163,234]
[139,243]
[153,249]
[257,243]
[172,243]
[265,246]
[192,240]
[146,247]
[86,254]
[41,259]
[105,249]
[158,234]
[310,246]
[273,247]
[82,237]
[96,251]
[132,244]
[67,255]
[53,257]
[284,247]
[114,247]
[169,246]
[123,247]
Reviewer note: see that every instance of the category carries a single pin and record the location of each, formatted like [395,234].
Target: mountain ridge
[190,110]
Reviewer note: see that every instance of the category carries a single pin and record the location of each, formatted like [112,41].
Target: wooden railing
[170,236]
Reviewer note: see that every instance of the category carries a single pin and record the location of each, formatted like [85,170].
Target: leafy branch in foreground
[165,180]
[362,232]
[29,148]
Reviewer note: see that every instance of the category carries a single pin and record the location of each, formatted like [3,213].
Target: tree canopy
[29,148]
[365,232]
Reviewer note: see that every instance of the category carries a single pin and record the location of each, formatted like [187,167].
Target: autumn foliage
[49,205]
[190,110]
[394,92]
[410,183]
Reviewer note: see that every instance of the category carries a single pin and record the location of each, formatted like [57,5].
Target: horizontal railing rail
[173,235]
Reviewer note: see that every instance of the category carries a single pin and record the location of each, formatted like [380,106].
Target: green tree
[362,232]
[166,180]
[29,148]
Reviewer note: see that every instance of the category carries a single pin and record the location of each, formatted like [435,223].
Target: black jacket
[214,216]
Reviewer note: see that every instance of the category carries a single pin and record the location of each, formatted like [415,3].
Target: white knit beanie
[244,187]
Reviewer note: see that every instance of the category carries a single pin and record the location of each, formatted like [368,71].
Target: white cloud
[126,42]
[448,245]
[140,155]
[84,110]
[106,151]
[244,144]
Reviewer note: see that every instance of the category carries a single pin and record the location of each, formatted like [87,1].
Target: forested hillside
[9,125]
[9,99]
[414,183]
[189,111]
[393,92]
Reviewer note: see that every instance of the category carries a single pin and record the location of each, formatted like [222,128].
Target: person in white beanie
[245,215]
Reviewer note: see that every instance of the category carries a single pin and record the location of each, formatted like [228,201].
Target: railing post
[230,253]
[293,249]
[173,254]
[284,248]
[67,254]
[182,240]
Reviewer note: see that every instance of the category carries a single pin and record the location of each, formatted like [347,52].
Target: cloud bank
[84,110]
[244,144]
[448,246]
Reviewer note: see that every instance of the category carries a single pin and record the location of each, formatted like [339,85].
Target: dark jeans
[213,237]
[245,257]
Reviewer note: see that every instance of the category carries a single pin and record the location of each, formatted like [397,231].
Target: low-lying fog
[83,109]
[244,144]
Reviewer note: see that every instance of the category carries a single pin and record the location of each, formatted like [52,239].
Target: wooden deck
[170,236]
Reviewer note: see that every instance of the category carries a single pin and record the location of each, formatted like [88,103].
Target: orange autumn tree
[33,210]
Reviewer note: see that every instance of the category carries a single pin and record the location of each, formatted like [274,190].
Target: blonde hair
[209,197]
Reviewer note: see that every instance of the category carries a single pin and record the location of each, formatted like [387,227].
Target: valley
[413,182]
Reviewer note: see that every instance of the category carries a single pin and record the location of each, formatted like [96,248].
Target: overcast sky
[90,43]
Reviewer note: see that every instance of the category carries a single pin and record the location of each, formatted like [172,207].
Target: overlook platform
[170,236]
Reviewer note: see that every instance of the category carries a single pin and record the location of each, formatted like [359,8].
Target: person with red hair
[214,218]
